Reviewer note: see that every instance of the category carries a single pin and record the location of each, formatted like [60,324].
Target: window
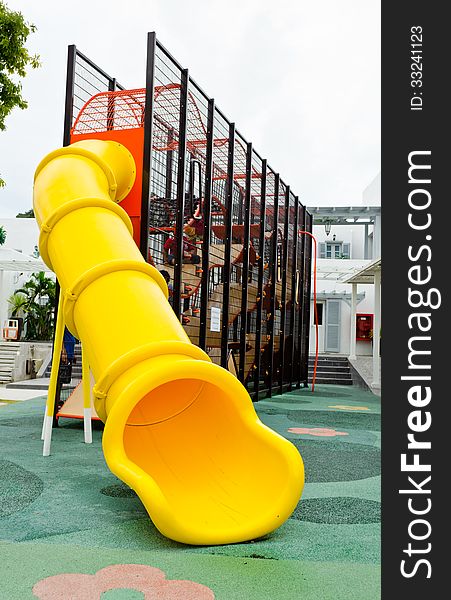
[334,250]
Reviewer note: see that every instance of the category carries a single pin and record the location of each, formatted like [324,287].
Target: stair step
[324,367]
[322,357]
[330,361]
[340,377]
[332,370]
[325,381]
[331,374]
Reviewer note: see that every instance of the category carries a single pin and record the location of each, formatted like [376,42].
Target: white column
[376,329]
[366,253]
[352,346]
[377,237]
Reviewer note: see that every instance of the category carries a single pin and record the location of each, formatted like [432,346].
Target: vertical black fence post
[69,101]
[147,150]
[301,313]
[261,267]
[294,311]
[110,109]
[181,175]
[227,269]
[245,270]
[271,316]
[206,213]
[283,299]
[307,300]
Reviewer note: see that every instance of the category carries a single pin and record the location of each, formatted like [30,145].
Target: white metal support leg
[87,411]
[50,407]
[352,349]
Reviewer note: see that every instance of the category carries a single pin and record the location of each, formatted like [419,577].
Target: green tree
[28,214]
[17,303]
[2,235]
[39,292]
[14,60]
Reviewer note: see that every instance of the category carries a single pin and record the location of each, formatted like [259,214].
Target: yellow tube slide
[179,430]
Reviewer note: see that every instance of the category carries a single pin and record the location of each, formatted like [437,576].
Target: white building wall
[21,235]
[371,195]
[365,306]
[352,234]
[355,235]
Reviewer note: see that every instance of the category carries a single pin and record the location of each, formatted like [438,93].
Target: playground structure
[163,167]
[253,270]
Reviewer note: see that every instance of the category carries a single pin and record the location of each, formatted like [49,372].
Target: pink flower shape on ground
[150,581]
[318,431]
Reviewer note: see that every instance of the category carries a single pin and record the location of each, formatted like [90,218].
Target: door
[333,325]
[320,307]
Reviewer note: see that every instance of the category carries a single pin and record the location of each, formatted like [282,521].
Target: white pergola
[356,272]
[352,215]
[331,269]
[370,274]
[12,260]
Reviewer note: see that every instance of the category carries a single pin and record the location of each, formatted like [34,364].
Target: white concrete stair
[8,355]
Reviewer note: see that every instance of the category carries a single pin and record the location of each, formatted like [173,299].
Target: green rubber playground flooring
[67,514]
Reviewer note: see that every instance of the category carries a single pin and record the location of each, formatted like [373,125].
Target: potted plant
[17,303]
[39,300]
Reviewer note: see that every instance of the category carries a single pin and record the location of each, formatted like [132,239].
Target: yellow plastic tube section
[179,430]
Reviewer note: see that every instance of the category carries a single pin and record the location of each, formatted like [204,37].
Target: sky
[300,79]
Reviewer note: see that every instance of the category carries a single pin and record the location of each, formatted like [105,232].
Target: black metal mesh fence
[88,80]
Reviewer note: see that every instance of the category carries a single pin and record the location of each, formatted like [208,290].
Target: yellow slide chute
[179,430]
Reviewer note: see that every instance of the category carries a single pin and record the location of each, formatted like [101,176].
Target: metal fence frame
[280,323]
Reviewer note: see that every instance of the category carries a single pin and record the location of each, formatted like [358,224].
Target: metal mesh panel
[165,159]
[279,259]
[290,267]
[267,317]
[254,294]
[89,80]
[112,110]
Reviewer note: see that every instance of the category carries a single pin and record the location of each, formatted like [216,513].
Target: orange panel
[133,139]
